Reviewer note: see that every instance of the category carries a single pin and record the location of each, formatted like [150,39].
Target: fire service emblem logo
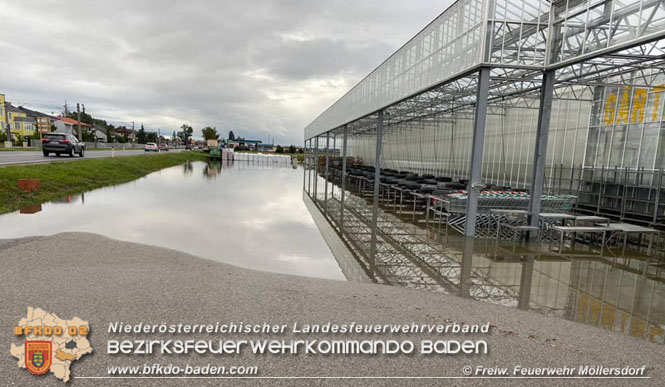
[38,356]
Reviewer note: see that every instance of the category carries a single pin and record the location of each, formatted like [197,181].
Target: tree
[173,137]
[151,137]
[89,136]
[140,135]
[292,149]
[210,133]
[280,149]
[85,117]
[18,140]
[109,129]
[231,135]
[185,133]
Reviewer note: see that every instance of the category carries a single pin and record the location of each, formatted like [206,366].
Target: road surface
[32,157]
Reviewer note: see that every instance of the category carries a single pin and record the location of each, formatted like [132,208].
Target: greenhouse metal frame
[492,85]
[559,97]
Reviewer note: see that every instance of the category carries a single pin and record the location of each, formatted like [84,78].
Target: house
[43,121]
[177,141]
[19,122]
[100,133]
[3,116]
[70,126]
[124,131]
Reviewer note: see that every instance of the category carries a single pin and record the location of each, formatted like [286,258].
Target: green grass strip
[67,178]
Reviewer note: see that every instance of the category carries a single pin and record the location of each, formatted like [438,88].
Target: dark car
[60,143]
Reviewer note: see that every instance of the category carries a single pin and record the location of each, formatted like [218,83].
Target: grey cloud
[262,68]
[294,59]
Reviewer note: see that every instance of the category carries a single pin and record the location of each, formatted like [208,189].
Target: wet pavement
[36,157]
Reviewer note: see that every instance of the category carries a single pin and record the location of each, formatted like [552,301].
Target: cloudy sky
[260,67]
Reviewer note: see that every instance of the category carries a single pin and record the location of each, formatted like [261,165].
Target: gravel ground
[102,280]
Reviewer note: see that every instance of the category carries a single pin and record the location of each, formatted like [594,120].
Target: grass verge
[67,178]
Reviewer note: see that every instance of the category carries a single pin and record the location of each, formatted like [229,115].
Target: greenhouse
[539,121]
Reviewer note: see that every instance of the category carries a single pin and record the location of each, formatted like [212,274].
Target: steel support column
[479,122]
[325,174]
[375,197]
[540,148]
[334,148]
[304,172]
[316,168]
[341,211]
[307,151]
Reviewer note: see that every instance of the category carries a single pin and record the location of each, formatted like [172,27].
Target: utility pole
[78,113]
[66,109]
[133,133]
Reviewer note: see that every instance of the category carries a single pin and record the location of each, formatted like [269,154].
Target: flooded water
[253,215]
[246,214]
[604,285]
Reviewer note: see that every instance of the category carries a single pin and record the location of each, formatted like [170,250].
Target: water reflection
[33,209]
[187,168]
[246,214]
[212,169]
[604,287]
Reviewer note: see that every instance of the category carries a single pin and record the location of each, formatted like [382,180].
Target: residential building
[3,117]
[70,126]
[124,131]
[44,122]
[100,133]
[19,122]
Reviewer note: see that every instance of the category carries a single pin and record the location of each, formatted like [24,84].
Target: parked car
[151,147]
[60,143]
[164,147]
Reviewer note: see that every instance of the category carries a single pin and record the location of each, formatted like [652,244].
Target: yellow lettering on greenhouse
[656,102]
[610,101]
[622,117]
[639,101]
[638,111]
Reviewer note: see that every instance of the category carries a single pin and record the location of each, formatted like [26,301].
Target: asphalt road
[32,157]
[102,280]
